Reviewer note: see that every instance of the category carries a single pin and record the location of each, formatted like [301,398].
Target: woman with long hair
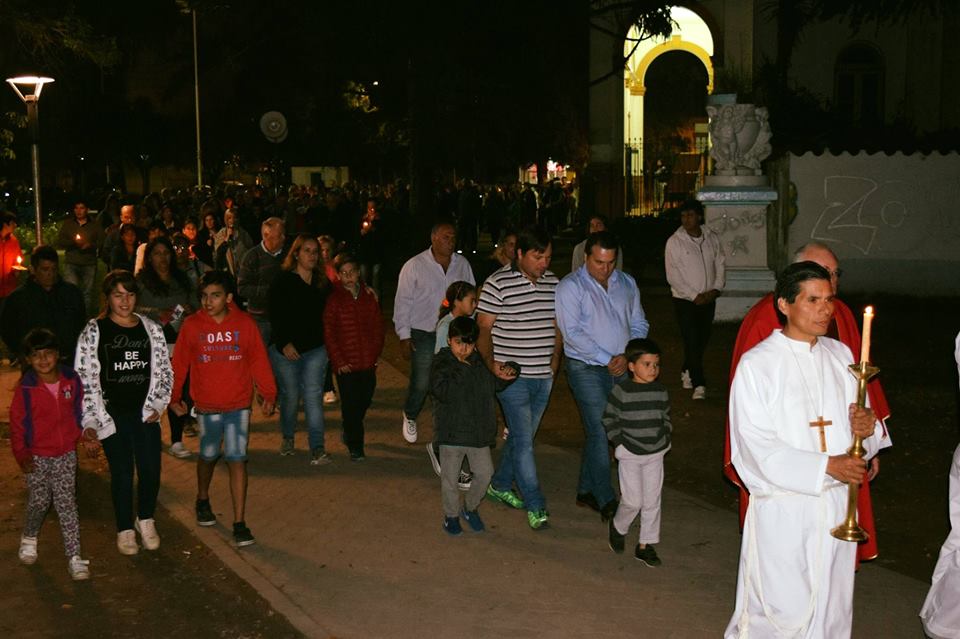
[167,297]
[124,365]
[204,247]
[296,302]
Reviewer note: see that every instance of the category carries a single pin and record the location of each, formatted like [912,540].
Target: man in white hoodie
[695,271]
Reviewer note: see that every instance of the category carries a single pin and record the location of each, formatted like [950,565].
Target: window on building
[858,92]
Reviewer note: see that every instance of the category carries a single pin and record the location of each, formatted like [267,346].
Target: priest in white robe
[941,610]
[793,414]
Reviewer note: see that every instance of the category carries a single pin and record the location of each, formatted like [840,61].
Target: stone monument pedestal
[735,208]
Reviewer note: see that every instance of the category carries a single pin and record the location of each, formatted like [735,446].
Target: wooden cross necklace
[819,422]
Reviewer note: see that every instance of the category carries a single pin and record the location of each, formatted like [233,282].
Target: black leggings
[356,393]
[135,446]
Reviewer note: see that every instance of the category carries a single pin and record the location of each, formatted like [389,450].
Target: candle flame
[868,310]
[19,259]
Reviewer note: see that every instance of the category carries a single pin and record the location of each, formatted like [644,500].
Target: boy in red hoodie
[44,429]
[220,347]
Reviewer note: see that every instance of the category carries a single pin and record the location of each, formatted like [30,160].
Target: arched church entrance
[664,148]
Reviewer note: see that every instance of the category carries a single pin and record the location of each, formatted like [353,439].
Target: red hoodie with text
[224,361]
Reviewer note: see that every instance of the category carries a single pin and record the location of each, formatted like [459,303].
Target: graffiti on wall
[888,217]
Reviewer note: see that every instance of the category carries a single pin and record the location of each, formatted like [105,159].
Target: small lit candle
[19,265]
[867,322]
[78,237]
[19,260]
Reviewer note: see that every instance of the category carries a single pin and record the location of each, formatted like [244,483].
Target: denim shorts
[232,428]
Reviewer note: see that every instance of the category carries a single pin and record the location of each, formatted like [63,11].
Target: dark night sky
[499,82]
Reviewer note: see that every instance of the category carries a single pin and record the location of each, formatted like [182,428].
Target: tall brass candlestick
[849,529]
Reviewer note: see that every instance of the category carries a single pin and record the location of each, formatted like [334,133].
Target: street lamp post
[196,96]
[33,85]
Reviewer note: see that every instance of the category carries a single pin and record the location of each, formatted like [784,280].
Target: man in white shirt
[421,289]
[694,263]
[792,420]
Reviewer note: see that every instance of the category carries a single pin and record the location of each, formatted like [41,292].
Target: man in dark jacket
[44,301]
[257,271]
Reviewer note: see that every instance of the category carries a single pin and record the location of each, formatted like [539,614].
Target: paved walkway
[356,550]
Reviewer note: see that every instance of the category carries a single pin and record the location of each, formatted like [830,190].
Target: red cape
[758,324]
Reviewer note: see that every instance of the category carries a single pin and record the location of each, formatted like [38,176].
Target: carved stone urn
[739,138]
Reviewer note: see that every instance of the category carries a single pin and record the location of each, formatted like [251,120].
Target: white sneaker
[127,542]
[685,380]
[28,550]
[148,533]
[409,429]
[79,568]
[700,392]
[329,397]
[178,450]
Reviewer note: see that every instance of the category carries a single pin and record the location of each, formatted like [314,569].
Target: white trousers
[641,483]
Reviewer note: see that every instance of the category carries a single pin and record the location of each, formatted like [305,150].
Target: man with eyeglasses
[758,324]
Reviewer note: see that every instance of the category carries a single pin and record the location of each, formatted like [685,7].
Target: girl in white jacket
[123,363]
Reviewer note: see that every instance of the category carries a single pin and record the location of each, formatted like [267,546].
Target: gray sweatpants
[480,464]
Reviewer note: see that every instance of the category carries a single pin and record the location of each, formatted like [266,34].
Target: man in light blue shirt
[598,312]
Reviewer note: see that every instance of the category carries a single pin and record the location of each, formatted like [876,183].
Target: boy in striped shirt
[637,421]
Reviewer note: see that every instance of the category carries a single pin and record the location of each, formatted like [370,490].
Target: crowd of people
[197,322]
[191,328]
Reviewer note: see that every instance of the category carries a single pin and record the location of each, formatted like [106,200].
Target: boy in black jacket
[465,419]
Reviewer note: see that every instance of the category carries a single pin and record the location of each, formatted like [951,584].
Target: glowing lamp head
[28,87]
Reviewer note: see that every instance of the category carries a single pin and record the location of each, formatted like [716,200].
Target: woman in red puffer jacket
[353,333]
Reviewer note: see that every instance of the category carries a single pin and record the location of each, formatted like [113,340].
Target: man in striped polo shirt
[598,311]
[517,319]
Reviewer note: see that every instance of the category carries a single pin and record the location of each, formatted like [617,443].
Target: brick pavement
[356,550]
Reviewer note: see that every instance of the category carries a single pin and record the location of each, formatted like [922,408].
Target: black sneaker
[587,500]
[609,510]
[616,540]
[242,535]
[647,555]
[205,516]
[357,456]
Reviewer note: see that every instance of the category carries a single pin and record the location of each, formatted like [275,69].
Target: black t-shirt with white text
[124,354]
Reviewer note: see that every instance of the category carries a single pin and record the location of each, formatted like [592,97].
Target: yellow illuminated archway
[690,34]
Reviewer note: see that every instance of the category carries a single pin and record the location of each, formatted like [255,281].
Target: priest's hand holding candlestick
[847,469]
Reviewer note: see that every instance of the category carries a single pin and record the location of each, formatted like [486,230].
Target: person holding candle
[791,422]
[80,239]
[10,252]
[758,324]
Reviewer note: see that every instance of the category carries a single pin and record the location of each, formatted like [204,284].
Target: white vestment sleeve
[764,461]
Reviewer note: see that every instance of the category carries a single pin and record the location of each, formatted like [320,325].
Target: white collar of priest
[799,345]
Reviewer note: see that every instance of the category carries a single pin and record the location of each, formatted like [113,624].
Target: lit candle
[19,260]
[867,321]
[78,237]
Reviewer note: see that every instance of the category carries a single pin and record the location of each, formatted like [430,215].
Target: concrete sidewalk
[356,550]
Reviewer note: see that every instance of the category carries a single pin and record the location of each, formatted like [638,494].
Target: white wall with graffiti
[894,221]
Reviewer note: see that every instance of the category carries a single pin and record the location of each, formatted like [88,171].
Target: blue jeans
[84,277]
[420,361]
[296,379]
[590,386]
[523,404]
[232,429]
